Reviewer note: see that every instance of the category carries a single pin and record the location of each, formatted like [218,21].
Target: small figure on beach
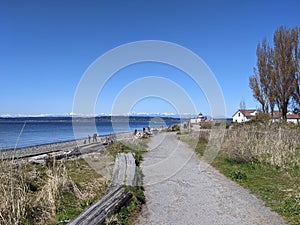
[89,138]
[135,132]
[95,137]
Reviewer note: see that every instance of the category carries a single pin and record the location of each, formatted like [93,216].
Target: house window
[239,114]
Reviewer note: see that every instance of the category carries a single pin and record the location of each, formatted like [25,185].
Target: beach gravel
[181,189]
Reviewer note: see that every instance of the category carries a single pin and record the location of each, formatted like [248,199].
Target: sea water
[24,132]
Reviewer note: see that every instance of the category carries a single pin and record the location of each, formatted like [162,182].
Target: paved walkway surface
[180,189]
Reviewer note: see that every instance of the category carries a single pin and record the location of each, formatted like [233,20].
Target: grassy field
[58,192]
[35,194]
[264,160]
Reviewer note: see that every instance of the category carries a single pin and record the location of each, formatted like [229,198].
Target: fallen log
[124,170]
[110,203]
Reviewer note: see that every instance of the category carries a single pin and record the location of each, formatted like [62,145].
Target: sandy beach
[58,146]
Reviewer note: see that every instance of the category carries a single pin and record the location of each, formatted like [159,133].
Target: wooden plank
[119,170]
[131,178]
[110,203]
[124,172]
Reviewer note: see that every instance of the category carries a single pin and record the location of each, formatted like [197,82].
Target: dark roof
[277,115]
[246,112]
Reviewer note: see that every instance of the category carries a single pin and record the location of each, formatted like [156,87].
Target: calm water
[23,132]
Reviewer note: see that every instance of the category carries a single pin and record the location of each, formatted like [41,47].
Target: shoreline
[34,150]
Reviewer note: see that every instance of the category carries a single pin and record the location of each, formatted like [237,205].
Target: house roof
[276,114]
[293,116]
[289,115]
[247,112]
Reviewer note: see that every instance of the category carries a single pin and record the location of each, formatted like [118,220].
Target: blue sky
[46,46]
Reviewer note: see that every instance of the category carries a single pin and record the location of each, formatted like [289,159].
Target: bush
[238,175]
[174,127]
[205,125]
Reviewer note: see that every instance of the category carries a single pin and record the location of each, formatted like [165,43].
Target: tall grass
[34,194]
[48,200]
[278,146]
[14,194]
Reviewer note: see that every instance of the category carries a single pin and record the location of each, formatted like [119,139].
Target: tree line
[276,77]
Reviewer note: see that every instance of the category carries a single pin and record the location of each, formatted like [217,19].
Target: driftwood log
[110,203]
[124,172]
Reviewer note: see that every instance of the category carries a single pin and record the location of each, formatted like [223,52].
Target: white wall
[239,117]
[196,120]
[295,121]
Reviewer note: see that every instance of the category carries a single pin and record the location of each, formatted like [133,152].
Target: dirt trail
[196,193]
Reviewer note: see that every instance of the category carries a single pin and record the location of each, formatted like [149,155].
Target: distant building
[247,114]
[200,118]
[290,117]
[244,115]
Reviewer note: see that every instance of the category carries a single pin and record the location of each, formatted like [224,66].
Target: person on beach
[95,137]
[89,138]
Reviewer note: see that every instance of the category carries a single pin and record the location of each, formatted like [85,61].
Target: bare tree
[286,66]
[276,76]
[296,97]
[260,82]
[242,105]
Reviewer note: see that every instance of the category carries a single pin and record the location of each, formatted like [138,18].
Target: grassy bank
[55,194]
[58,192]
[263,159]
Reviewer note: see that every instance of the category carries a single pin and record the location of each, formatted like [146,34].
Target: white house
[244,115]
[290,117]
[247,114]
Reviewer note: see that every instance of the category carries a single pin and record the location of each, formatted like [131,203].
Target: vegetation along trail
[196,193]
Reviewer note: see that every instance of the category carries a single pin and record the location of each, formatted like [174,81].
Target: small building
[244,115]
[200,118]
[247,114]
[290,117]
[293,118]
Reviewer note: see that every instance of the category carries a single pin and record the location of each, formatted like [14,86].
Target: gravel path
[180,189]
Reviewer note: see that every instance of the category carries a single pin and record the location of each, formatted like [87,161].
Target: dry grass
[279,146]
[14,194]
[33,194]
[48,198]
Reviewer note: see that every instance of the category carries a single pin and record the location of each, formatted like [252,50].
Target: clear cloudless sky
[46,46]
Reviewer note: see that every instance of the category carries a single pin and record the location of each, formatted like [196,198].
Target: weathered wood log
[110,203]
[124,172]
[131,176]
[119,171]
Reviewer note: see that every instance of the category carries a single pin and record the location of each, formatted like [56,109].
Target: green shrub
[238,175]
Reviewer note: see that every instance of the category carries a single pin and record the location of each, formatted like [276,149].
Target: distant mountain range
[71,115]
[92,119]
